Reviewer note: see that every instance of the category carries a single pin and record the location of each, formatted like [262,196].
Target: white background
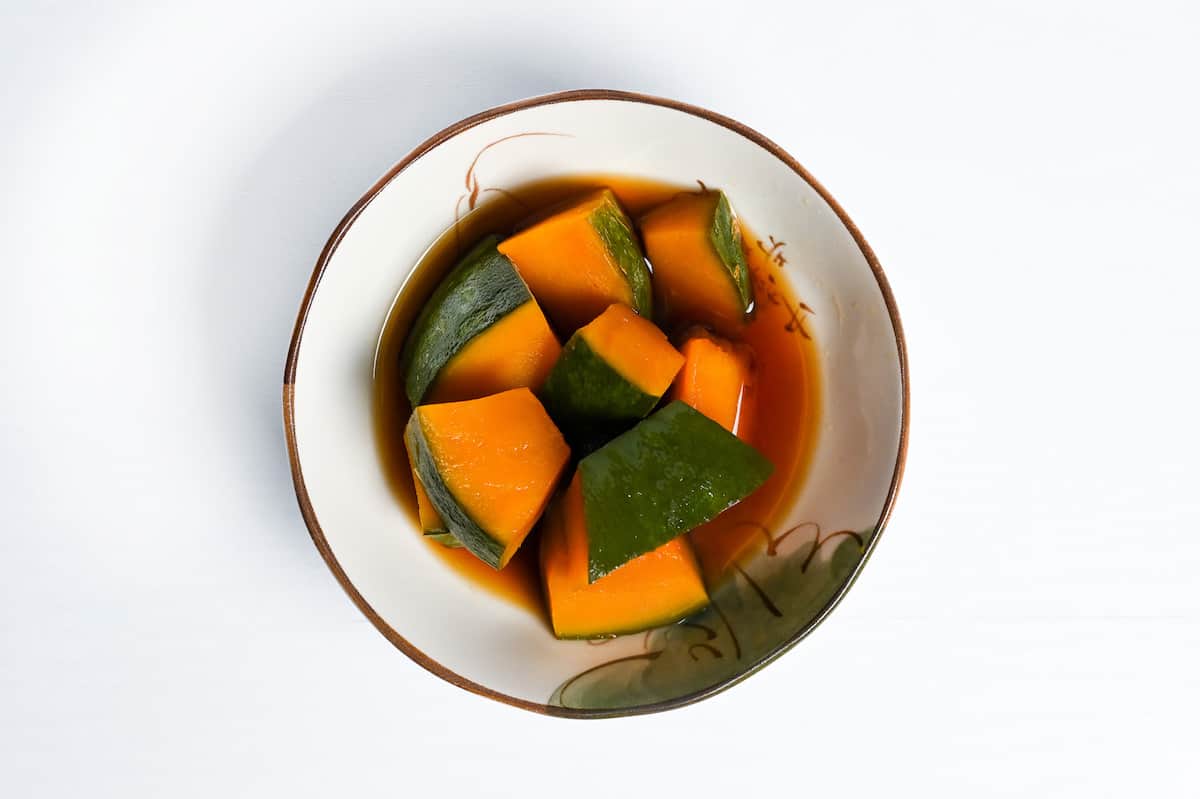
[1028,174]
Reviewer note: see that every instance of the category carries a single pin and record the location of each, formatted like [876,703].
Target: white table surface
[1029,175]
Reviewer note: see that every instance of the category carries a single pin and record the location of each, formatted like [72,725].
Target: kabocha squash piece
[581,260]
[714,380]
[488,466]
[657,588]
[612,372]
[480,333]
[431,522]
[675,470]
[700,273]
[518,350]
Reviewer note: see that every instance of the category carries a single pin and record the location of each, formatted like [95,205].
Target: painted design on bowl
[767,287]
[781,590]
[474,191]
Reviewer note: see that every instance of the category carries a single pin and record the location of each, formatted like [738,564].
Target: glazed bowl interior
[779,590]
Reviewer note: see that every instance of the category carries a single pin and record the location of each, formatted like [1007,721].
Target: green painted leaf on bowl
[758,608]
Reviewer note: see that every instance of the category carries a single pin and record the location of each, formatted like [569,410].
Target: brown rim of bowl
[289,379]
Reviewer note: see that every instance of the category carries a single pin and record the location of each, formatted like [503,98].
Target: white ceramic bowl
[783,588]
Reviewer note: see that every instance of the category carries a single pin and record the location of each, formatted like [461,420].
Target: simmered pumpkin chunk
[715,379]
[582,259]
[489,466]
[675,470]
[612,372]
[480,333]
[656,588]
[518,350]
[700,272]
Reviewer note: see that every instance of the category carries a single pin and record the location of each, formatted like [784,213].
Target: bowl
[779,589]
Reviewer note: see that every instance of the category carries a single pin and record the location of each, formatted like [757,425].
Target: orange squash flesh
[691,284]
[519,350]
[567,265]
[714,380]
[500,457]
[656,588]
[634,347]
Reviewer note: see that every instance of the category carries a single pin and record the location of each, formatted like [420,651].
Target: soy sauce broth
[781,408]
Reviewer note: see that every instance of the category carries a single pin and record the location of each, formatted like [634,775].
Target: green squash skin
[588,399]
[616,232]
[443,537]
[481,290]
[674,471]
[726,238]
[458,522]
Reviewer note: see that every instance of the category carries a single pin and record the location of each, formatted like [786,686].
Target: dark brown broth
[781,408]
